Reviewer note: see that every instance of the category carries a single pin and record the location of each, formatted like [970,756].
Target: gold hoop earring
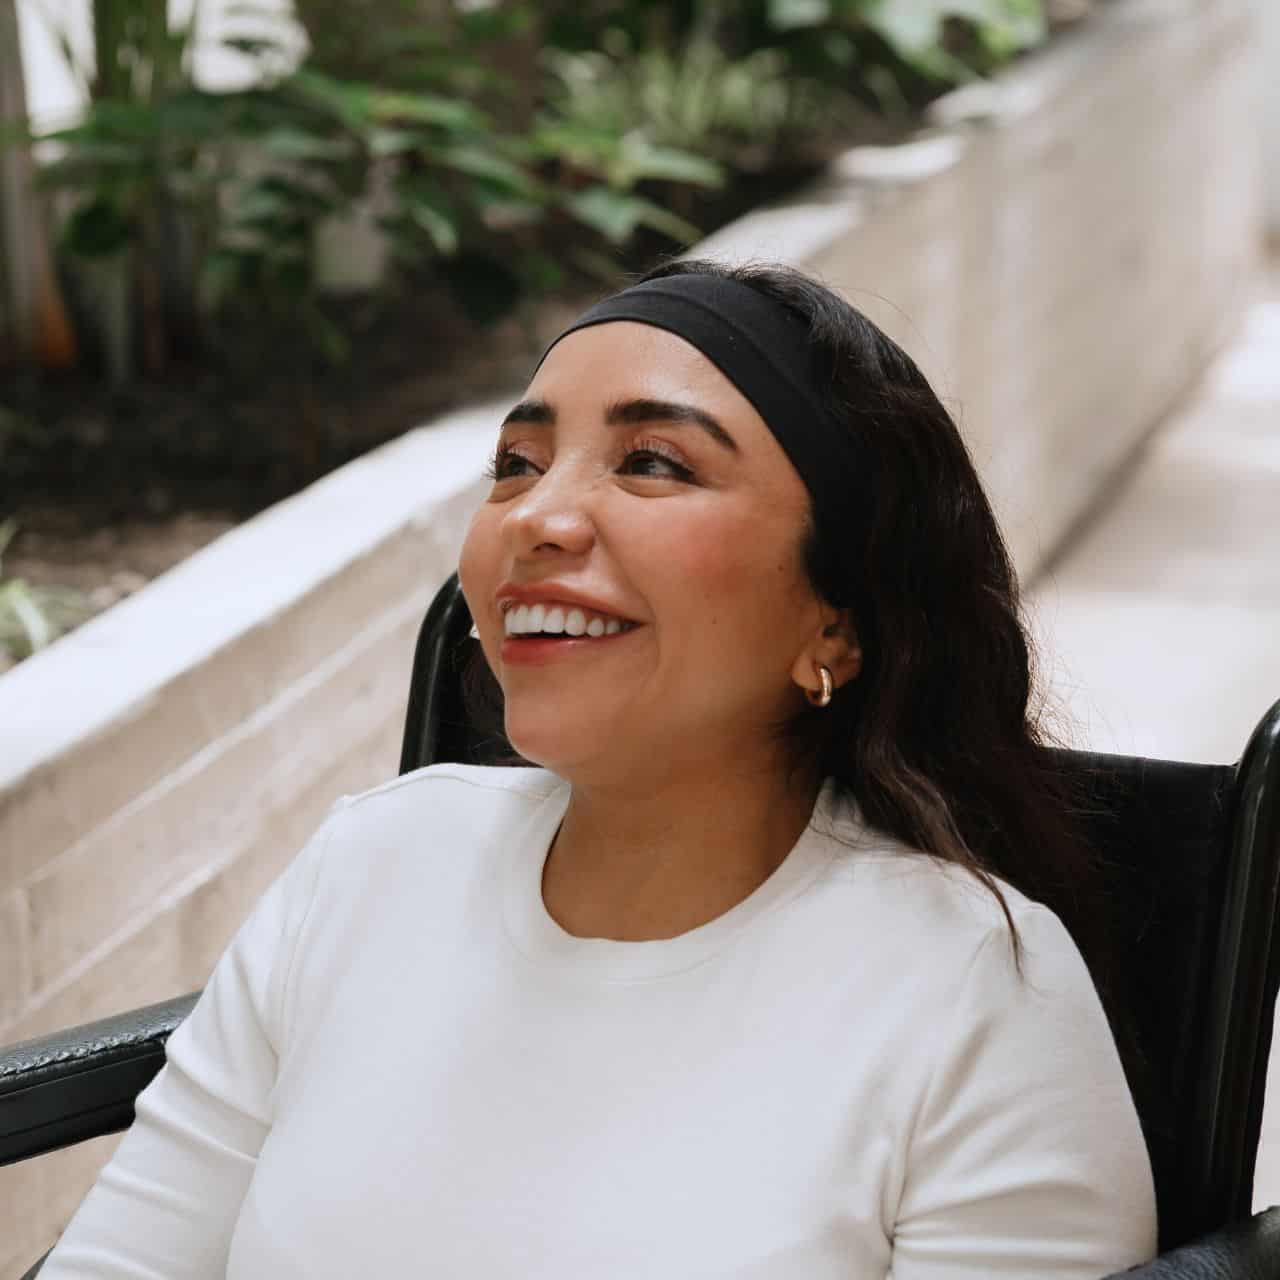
[821,699]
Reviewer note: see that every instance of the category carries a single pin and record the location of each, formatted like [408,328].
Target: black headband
[764,350]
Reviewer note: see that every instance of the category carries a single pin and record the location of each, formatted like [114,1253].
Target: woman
[737,983]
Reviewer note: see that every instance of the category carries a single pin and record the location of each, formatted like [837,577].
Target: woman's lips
[538,650]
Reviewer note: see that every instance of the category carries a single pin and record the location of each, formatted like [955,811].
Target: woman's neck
[639,863]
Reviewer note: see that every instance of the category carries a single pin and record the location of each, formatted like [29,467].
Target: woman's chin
[551,745]
[555,747]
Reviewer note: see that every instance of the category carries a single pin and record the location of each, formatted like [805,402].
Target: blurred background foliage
[430,155]
[32,617]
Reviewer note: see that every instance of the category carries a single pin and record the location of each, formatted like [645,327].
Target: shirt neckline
[540,938]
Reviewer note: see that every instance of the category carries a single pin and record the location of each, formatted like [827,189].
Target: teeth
[540,619]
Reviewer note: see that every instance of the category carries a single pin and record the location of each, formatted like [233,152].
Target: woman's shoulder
[927,904]
[444,807]
[930,934]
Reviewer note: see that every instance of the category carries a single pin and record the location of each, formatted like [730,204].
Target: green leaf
[274,196]
[640,159]
[614,214]
[84,149]
[438,225]
[482,162]
[17,600]
[580,144]
[8,531]
[617,214]
[424,108]
[497,22]
[392,142]
[348,103]
[788,15]
[286,143]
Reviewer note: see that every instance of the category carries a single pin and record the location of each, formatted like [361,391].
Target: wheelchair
[1192,859]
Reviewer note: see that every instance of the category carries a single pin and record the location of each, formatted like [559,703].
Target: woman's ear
[836,647]
[845,648]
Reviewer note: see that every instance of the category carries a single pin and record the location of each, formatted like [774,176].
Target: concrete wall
[1268,17]
[1063,256]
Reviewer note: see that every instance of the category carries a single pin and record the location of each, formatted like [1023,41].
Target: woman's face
[636,477]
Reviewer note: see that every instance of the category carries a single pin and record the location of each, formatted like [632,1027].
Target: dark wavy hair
[940,738]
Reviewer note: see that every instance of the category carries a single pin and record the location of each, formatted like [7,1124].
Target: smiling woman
[769,966]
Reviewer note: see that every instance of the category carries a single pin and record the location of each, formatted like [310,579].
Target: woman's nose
[551,514]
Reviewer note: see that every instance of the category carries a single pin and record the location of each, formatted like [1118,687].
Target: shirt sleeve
[165,1205]
[1027,1158]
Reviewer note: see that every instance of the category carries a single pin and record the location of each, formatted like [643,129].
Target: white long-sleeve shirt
[403,1066]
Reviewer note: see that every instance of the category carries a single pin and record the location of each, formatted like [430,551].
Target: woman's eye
[505,463]
[650,456]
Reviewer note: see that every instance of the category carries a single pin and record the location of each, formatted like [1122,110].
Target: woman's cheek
[479,565]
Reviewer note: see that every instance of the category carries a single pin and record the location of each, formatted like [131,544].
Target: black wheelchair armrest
[1248,1250]
[81,1083]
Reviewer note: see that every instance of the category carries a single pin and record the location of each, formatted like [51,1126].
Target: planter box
[1062,254]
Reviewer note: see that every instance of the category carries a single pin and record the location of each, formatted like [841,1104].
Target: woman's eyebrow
[630,412]
[535,411]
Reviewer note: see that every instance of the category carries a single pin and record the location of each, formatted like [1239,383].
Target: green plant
[33,617]
[142,182]
[685,114]
[660,97]
[316,144]
[183,202]
[886,53]
[132,173]
[191,213]
[458,189]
